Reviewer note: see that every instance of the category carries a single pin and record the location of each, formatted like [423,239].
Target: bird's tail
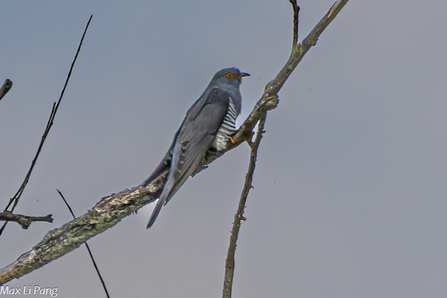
[156,211]
[168,190]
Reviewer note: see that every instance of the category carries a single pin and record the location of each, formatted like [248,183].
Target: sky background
[349,195]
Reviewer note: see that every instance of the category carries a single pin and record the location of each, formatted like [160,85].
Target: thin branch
[66,203]
[270,95]
[88,248]
[111,209]
[23,220]
[296,11]
[14,200]
[5,88]
[239,216]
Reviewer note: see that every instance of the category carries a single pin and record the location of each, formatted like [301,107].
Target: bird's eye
[229,75]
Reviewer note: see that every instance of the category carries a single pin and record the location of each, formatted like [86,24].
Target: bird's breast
[227,127]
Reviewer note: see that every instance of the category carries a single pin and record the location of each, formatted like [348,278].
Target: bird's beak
[243,74]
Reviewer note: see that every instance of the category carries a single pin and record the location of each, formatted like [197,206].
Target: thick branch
[24,220]
[110,210]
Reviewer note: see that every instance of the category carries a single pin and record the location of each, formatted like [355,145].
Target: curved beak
[244,74]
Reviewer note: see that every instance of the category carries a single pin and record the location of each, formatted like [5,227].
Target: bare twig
[239,216]
[296,11]
[5,88]
[111,209]
[23,220]
[15,199]
[88,248]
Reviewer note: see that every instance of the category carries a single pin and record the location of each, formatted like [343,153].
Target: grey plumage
[208,124]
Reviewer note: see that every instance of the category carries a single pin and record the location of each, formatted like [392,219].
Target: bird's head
[230,76]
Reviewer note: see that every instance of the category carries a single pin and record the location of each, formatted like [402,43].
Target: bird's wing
[165,163]
[194,138]
[196,135]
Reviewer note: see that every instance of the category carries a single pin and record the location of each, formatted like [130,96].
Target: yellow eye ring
[229,75]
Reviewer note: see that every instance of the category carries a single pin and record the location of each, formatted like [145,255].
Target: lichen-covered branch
[108,212]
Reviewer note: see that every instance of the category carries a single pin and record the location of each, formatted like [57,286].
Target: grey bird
[208,125]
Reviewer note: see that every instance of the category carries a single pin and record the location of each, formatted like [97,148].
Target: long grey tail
[169,190]
[163,199]
[155,213]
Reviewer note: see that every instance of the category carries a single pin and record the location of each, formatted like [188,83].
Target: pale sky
[349,195]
